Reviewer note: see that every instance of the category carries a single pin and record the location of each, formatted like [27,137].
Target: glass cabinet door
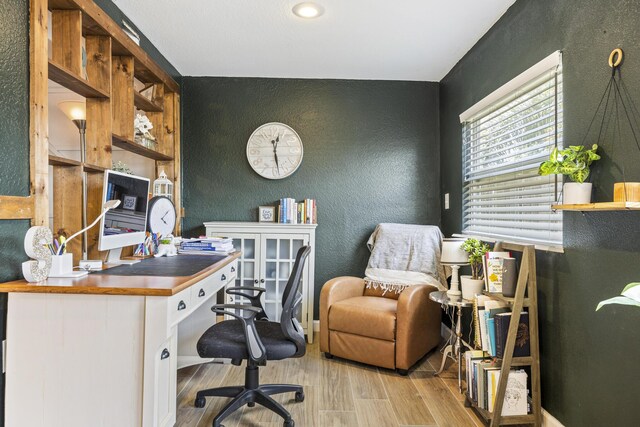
[248,264]
[279,254]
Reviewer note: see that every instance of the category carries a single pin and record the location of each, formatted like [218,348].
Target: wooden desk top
[101,284]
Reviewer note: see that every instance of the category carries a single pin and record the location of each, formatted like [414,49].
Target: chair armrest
[255,347]
[335,290]
[418,324]
[254,298]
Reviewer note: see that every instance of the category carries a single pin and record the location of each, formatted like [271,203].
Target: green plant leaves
[630,296]
[476,250]
[573,161]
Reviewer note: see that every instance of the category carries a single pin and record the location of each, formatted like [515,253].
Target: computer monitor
[125,225]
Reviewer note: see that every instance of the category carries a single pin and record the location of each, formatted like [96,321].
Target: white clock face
[162,216]
[274,150]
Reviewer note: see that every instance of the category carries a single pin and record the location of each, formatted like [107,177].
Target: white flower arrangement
[143,125]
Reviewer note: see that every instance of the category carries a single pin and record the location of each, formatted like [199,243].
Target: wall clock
[274,150]
[161,218]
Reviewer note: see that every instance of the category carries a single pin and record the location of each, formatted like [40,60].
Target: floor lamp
[77,113]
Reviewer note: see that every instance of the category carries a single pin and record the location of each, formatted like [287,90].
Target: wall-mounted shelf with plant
[617,109]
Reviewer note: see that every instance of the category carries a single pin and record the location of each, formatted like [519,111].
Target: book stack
[207,246]
[292,212]
[491,327]
[483,375]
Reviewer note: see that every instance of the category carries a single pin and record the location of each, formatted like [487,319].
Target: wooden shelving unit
[131,146]
[72,81]
[113,60]
[142,103]
[602,206]
[527,283]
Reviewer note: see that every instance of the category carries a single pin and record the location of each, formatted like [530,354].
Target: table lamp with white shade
[454,256]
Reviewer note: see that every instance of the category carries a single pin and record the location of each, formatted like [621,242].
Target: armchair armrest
[418,324]
[335,290]
[255,347]
[251,293]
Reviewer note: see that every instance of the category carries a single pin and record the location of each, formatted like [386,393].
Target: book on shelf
[492,263]
[485,308]
[523,338]
[292,212]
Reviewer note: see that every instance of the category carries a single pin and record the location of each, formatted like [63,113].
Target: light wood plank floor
[338,393]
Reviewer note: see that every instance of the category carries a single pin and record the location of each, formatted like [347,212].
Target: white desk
[103,350]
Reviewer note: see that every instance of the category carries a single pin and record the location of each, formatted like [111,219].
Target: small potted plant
[473,285]
[573,162]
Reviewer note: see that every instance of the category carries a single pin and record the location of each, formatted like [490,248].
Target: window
[505,137]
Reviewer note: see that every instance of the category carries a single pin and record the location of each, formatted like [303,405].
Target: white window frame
[497,99]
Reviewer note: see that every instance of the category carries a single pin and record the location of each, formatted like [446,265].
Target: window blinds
[503,145]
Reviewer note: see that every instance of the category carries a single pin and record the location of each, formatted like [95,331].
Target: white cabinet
[268,254]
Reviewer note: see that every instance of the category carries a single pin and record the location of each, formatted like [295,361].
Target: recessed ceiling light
[308,10]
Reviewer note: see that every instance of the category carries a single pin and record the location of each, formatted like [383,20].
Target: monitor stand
[113,258]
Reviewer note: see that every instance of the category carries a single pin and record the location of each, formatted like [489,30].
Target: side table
[454,349]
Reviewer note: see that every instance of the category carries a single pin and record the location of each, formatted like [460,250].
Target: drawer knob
[233,269]
[165,354]
[201,293]
[181,305]
[223,277]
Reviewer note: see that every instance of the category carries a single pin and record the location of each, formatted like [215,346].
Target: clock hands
[275,151]
[162,218]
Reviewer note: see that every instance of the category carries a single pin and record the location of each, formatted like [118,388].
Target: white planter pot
[471,287]
[574,193]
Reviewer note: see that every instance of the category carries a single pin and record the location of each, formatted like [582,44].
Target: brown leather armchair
[391,331]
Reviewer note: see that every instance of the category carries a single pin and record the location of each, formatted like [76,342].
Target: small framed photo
[267,213]
[129,203]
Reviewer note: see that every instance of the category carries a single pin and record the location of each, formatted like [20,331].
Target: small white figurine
[166,247]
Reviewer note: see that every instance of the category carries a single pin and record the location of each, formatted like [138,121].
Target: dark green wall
[14,133]
[589,360]
[370,156]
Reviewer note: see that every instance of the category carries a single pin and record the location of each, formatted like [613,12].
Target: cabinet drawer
[179,305]
[204,290]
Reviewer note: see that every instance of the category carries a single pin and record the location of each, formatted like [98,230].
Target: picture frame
[129,202]
[266,213]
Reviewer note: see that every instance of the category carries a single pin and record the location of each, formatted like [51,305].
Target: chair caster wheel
[289,423]
[200,402]
[328,355]
[299,396]
[251,404]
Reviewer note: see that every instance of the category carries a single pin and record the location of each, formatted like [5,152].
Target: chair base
[251,394]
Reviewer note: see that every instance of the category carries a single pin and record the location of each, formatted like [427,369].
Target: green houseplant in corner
[472,285]
[574,162]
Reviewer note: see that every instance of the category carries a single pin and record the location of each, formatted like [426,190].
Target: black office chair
[253,337]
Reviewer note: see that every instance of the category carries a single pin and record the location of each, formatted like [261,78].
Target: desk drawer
[205,289]
[180,305]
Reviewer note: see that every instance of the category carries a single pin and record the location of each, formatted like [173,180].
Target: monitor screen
[126,224]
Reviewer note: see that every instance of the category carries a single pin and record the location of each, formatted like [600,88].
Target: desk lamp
[107,206]
[454,256]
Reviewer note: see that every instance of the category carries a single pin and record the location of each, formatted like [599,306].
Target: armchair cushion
[367,316]
[226,339]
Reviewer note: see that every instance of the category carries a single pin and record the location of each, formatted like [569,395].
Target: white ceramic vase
[471,287]
[575,193]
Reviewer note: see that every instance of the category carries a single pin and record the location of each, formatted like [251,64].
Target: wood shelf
[96,22]
[506,420]
[602,206]
[132,147]
[74,82]
[144,104]
[506,300]
[61,161]
[89,168]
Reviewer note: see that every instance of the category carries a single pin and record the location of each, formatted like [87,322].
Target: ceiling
[354,39]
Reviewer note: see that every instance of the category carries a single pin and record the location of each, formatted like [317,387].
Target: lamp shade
[452,252]
[74,110]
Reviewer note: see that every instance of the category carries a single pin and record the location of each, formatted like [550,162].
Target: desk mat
[181,265]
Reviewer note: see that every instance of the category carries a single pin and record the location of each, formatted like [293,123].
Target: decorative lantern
[163,186]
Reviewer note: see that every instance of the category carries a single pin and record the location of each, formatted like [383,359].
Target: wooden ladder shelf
[526,283]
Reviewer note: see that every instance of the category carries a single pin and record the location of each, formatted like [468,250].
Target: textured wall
[589,360]
[370,156]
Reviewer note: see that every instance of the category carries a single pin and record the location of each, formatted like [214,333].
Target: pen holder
[61,265]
